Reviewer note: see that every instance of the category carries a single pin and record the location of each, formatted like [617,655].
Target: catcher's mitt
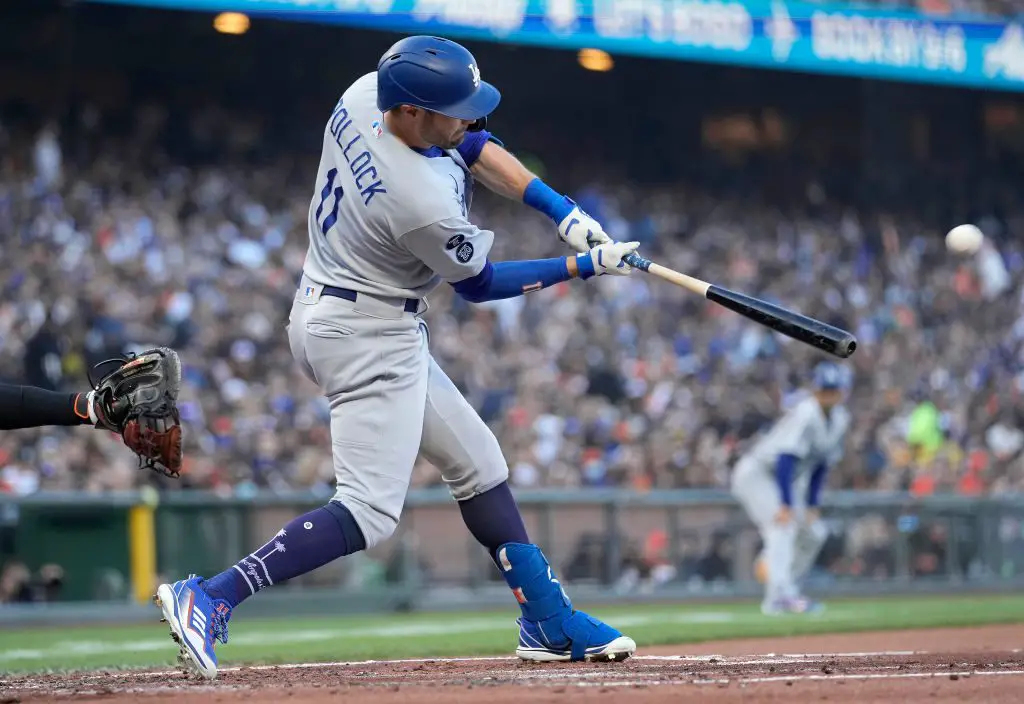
[138,401]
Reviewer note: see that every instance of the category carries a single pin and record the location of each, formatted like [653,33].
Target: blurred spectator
[648,569]
[15,583]
[19,586]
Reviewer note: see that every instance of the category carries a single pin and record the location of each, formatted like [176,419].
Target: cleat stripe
[530,640]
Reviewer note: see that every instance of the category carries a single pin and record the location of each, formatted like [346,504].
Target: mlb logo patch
[309,294]
[464,253]
[376,128]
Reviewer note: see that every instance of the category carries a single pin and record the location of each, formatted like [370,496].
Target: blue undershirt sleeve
[472,145]
[540,196]
[784,468]
[817,481]
[509,279]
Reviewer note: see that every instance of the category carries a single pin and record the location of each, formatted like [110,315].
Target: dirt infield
[977,664]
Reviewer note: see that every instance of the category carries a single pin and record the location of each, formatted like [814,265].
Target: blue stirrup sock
[304,544]
[494,519]
[539,593]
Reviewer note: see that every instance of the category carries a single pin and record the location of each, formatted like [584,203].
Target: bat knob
[845,346]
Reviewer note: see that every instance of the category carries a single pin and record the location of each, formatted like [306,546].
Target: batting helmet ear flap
[479,125]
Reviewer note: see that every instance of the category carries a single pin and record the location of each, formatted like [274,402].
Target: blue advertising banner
[822,38]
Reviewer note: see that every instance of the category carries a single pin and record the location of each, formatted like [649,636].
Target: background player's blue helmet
[434,74]
[829,376]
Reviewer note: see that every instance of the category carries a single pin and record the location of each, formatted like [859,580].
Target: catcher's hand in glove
[138,401]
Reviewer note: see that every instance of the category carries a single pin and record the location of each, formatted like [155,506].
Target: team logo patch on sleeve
[464,253]
[454,241]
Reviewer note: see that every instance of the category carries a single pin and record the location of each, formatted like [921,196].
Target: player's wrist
[540,196]
[81,405]
[584,265]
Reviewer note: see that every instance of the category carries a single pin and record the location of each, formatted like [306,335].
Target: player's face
[830,397]
[443,131]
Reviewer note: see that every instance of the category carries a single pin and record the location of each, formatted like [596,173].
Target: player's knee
[375,525]
[350,529]
[479,482]
[817,533]
[776,533]
[487,470]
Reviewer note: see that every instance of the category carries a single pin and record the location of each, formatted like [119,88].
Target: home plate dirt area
[936,665]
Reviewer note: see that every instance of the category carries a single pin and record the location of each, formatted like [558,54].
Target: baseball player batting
[388,223]
[778,482]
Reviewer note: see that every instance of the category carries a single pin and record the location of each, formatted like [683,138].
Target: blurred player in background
[778,482]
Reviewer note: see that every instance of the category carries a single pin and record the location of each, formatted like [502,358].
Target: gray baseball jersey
[390,223]
[805,432]
[385,219]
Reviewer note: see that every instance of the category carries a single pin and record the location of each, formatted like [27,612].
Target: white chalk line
[946,674]
[767,659]
[637,679]
[783,657]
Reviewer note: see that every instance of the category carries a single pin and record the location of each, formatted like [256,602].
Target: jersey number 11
[332,217]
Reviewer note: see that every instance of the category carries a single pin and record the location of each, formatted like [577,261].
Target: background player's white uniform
[812,436]
[390,226]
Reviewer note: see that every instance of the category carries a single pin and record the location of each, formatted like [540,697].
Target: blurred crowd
[113,244]
[1000,8]
[1005,9]
[19,585]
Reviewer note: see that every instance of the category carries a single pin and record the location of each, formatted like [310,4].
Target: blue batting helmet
[829,376]
[434,74]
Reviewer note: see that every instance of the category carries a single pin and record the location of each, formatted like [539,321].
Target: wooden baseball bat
[815,333]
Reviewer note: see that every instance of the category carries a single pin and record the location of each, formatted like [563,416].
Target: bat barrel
[823,336]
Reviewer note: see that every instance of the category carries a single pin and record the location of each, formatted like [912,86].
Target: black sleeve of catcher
[32,407]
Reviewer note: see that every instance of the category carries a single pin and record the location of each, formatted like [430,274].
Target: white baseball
[964,238]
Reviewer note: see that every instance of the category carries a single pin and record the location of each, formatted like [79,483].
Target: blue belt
[411,304]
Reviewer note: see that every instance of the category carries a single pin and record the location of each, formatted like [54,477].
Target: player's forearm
[32,407]
[502,172]
[785,466]
[501,280]
[816,483]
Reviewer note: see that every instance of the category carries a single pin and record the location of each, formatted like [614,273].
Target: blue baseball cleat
[550,629]
[197,622]
[581,637]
